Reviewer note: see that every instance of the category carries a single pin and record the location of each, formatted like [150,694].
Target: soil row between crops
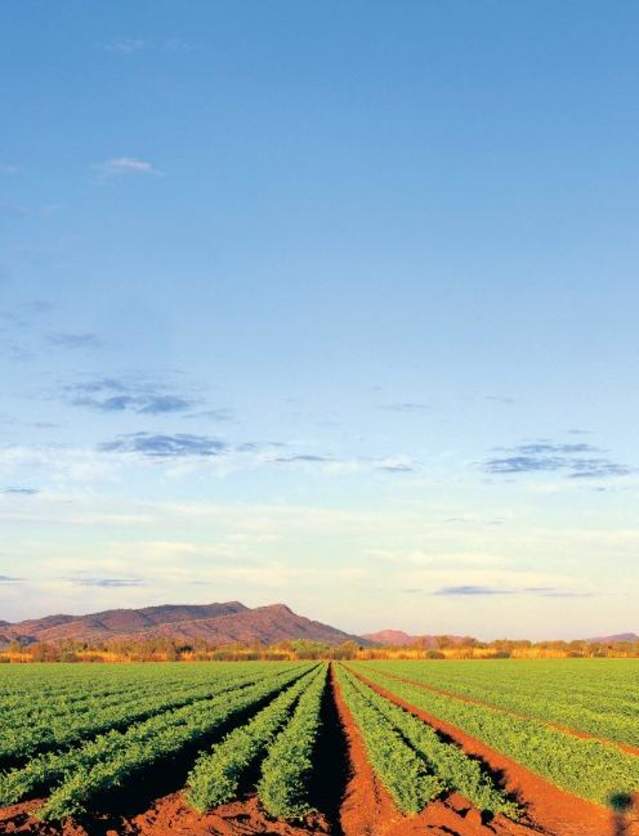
[368,809]
[570,730]
[549,809]
[361,807]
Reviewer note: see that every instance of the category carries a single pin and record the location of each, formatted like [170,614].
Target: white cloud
[126,46]
[58,466]
[118,166]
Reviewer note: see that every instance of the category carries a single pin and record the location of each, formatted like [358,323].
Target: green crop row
[35,687]
[586,768]
[284,786]
[216,775]
[455,769]
[581,694]
[404,773]
[150,743]
[82,697]
[49,769]
[20,740]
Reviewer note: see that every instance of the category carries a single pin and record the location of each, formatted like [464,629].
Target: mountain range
[618,637]
[398,638]
[219,623]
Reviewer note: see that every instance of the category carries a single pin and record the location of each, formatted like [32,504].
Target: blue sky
[333,304]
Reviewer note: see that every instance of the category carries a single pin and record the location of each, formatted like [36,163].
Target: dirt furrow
[550,810]
[365,808]
[368,810]
[625,747]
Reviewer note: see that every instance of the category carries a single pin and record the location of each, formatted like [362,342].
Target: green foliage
[216,775]
[404,774]
[594,696]
[283,787]
[104,762]
[587,768]
[308,649]
[455,769]
[79,731]
[35,726]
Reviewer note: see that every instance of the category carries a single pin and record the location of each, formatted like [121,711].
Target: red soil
[625,747]
[549,809]
[167,816]
[368,810]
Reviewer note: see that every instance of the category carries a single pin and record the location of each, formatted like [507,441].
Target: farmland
[384,748]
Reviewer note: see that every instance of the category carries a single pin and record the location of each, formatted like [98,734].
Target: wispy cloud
[302,457]
[180,445]
[597,468]
[406,406]
[222,414]
[192,448]
[158,404]
[116,395]
[120,166]
[10,579]
[396,468]
[333,464]
[18,491]
[503,399]
[472,590]
[126,46]
[66,340]
[577,460]
[543,591]
[149,405]
[108,583]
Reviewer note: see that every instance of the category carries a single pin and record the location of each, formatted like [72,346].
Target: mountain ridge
[398,638]
[616,637]
[216,623]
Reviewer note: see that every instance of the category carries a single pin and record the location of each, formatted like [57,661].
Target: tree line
[433,647]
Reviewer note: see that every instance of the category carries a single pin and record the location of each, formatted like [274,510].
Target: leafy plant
[587,768]
[455,769]
[216,775]
[283,787]
[404,774]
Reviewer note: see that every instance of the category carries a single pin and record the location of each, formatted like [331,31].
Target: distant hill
[618,637]
[390,638]
[398,638]
[219,623]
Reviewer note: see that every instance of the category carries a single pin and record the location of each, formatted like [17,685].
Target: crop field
[383,748]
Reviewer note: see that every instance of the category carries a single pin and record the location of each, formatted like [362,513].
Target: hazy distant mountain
[215,623]
[393,638]
[618,637]
[397,638]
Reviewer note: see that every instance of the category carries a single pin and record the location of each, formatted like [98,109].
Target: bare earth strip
[625,747]
[368,810]
[551,810]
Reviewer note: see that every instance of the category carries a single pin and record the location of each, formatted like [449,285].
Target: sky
[333,304]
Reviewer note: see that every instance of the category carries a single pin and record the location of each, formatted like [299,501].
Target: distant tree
[345,650]
[43,652]
[69,656]
[308,649]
